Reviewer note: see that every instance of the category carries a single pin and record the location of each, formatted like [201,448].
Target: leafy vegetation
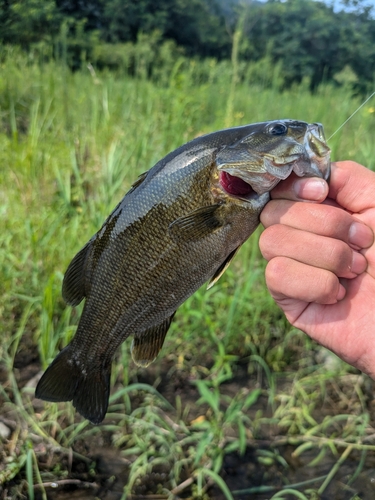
[308,39]
[239,402]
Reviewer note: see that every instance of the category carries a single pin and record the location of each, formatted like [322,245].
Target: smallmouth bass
[179,226]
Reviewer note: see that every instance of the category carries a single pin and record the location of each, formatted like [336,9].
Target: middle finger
[320,219]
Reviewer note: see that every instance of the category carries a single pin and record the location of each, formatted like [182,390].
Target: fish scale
[178,227]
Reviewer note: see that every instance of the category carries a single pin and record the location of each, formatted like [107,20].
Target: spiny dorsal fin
[198,224]
[73,288]
[147,344]
[221,269]
[138,182]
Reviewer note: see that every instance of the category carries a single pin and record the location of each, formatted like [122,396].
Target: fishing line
[351,116]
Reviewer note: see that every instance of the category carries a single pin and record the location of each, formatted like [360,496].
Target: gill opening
[351,116]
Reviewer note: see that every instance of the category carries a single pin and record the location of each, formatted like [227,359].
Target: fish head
[270,153]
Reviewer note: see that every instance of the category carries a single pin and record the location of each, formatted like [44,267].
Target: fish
[178,227]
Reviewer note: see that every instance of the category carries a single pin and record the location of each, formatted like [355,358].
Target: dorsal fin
[147,344]
[138,182]
[73,288]
[221,269]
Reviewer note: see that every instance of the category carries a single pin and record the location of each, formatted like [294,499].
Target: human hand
[321,268]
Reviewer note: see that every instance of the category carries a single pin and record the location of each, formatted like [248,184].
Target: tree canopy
[308,38]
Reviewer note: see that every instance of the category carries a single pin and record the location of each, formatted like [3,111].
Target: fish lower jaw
[237,187]
[316,167]
[305,166]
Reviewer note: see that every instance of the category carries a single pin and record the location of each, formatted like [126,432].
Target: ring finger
[315,250]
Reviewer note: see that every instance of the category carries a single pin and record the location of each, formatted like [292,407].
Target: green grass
[71,144]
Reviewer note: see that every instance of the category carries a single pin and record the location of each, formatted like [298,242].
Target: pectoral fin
[198,224]
[73,288]
[147,344]
[221,269]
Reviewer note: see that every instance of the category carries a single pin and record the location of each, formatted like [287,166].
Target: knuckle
[267,216]
[275,271]
[335,222]
[340,257]
[268,239]
[328,288]
[351,164]
[273,212]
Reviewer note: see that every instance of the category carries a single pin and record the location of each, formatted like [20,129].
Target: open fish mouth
[309,156]
[235,185]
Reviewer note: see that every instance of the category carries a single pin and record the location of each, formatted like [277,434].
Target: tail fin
[91,396]
[64,380]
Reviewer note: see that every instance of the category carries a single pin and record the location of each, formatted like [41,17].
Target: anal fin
[147,344]
[222,268]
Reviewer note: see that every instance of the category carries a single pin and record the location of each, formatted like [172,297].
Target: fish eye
[278,129]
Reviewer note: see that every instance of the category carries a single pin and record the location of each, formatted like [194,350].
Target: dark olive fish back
[174,230]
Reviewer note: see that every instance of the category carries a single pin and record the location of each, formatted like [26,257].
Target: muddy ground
[96,469]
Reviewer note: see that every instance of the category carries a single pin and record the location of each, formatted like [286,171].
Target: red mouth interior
[234,185]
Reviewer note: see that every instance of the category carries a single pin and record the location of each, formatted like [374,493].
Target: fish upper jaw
[309,156]
[318,152]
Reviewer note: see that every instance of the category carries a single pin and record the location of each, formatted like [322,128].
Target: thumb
[352,186]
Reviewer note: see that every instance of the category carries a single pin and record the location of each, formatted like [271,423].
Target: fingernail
[312,189]
[360,235]
[359,263]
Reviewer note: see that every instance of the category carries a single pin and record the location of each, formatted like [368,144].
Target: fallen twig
[66,482]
